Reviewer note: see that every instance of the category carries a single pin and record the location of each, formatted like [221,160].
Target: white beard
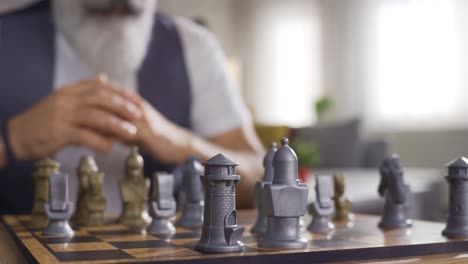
[113,45]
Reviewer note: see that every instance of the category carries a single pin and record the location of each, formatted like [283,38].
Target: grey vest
[27,40]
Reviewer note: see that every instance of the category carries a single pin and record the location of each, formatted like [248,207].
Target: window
[418,58]
[285,62]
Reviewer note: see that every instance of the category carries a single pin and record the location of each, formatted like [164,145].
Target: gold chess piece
[342,204]
[134,192]
[95,203]
[42,169]
[91,204]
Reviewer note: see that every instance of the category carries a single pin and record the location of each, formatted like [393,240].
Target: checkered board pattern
[118,244]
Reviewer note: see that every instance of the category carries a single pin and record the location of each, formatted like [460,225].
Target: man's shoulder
[40,8]
[194,33]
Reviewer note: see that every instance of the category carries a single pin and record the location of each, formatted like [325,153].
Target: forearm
[239,145]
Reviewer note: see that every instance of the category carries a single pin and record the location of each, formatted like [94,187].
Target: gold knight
[134,192]
[91,204]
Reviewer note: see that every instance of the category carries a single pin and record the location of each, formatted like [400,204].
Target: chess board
[114,243]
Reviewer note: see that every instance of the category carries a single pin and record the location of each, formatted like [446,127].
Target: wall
[431,149]
[268,39]
[343,56]
[279,47]
[218,13]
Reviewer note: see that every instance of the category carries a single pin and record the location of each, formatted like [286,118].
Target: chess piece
[396,194]
[323,208]
[162,204]
[42,170]
[59,209]
[284,201]
[342,204]
[220,232]
[91,204]
[457,220]
[260,225]
[134,192]
[192,210]
[95,203]
[86,167]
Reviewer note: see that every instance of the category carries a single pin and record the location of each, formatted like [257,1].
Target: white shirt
[216,106]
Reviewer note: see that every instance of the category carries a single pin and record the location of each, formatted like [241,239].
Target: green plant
[323,105]
[307,153]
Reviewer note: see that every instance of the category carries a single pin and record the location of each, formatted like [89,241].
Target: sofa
[341,145]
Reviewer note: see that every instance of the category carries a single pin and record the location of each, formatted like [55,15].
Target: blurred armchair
[340,145]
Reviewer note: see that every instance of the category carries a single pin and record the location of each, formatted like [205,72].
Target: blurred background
[395,65]
[351,81]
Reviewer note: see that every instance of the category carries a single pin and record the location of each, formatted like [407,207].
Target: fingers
[102,77]
[90,139]
[104,83]
[103,93]
[112,102]
[106,123]
[100,113]
[125,93]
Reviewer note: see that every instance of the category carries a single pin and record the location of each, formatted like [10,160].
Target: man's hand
[92,113]
[163,139]
[168,142]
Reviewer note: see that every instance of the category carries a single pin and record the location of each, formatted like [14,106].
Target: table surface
[364,231]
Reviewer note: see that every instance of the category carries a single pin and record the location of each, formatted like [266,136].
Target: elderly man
[84,77]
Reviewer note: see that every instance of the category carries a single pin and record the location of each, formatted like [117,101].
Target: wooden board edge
[22,247]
